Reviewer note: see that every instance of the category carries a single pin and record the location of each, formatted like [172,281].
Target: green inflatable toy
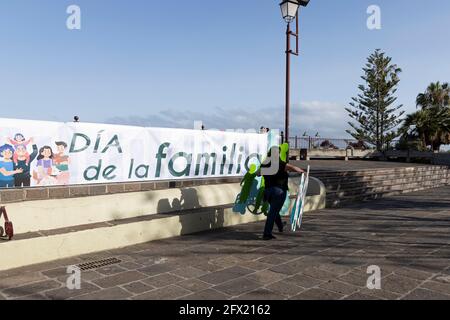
[251,197]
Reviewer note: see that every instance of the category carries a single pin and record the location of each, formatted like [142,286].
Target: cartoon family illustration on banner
[44,166]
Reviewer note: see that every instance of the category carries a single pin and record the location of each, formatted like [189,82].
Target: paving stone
[339,287]
[254,265]
[237,287]
[19,280]
[260,294]
[361,296]
[208,294]
[317,294]
[413,274]
[381,294]
[137,287]
[162,280]
[437,286]
[289,268]
[398,284]
[34,297]
[285,289]
[226,262]
[56,272]
[167,293]
[122,257]
[206,266]
[119,279]
[318,273]
[131,265]
[335,269]
[274,259]
[266,277]
[61,274]
[355,277]
[194,285]
[189,272]
[424,294]
[64,293]
[429,265]
[351,261]
[386,267]
[31,288]
[156,269]
[110,270]
[303,281]
[442,278]
[85,276]
[115,293]
[225,275]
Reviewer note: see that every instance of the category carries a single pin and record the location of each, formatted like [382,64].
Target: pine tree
[373,108]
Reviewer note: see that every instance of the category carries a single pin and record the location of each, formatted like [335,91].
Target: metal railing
[314,143]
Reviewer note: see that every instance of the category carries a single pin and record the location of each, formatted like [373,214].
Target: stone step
[374,178]
[346,200]
[390,181]
[371,172]
[382,188]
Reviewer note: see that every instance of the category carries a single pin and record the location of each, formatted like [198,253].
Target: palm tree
[437,95]
[431,124]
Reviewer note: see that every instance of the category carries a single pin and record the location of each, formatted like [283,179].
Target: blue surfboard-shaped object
[296,208]
[284,212]
[302,207]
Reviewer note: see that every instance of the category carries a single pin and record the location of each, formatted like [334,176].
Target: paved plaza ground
[406,236]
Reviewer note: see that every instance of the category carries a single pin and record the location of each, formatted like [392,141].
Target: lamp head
[289,8]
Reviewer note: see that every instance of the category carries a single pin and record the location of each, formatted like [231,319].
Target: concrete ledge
[41,215]
[77,191]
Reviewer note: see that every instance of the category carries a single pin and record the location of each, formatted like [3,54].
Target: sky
[170,63]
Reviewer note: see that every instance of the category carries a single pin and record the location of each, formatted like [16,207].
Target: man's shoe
[268,237]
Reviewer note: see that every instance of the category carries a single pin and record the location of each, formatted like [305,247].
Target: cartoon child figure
[7,171]
[22,160]
[44,165]
[19,140]
[61,162]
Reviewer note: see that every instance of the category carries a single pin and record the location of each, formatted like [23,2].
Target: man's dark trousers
[276,198]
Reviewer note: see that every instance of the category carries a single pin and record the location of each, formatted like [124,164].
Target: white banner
[39,153]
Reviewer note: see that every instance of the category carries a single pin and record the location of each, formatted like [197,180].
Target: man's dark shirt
[280,179]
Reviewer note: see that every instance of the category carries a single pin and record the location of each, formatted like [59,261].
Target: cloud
[329,119]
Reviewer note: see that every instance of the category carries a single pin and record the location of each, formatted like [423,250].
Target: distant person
[76,119]
[276,189]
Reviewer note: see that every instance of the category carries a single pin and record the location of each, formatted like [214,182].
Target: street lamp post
[289,11]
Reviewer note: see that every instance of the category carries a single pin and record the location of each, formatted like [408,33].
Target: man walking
[275,171]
